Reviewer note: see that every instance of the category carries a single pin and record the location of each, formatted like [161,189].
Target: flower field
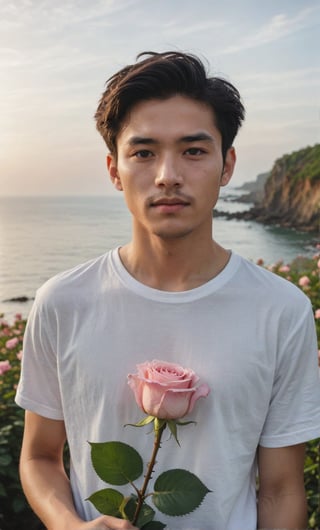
[14,511]
[305,273]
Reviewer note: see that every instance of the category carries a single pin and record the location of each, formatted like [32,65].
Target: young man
[175,294]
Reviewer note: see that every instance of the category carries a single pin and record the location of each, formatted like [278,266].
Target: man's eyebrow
[197,137]
[188,138]
[136,140]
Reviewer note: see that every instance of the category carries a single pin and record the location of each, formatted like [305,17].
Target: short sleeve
[294,411]
[38,389]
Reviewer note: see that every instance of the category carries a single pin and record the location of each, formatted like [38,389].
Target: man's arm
[45,482]
[281,499]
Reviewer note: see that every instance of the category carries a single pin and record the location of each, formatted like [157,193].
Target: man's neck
[173,265]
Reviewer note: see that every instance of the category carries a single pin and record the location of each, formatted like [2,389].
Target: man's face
[169,165]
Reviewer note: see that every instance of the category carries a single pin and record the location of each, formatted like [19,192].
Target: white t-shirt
[247,333]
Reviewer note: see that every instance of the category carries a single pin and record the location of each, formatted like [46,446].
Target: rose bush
[12,343]
[166,390]
[4,366]
[15,513]
[300,269]
[304,281]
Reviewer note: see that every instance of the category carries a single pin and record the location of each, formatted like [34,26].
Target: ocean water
[42,236]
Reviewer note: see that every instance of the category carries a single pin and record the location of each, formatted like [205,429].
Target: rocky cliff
[292,191]
[254,191]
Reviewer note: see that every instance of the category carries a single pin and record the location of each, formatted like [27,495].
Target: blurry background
[55,57]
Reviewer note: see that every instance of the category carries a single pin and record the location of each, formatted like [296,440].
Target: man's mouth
[169,204]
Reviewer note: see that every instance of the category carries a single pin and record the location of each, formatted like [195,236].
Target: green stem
[142,492]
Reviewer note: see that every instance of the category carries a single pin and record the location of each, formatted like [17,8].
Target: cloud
[61,36]
[280,26]
[10,57]
[56,56]
[302,77]
[176,29]
[49,17]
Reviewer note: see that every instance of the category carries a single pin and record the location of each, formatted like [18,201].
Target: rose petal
[174,406]
[202,391]
[136,385]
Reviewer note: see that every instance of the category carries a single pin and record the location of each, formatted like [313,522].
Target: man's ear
[113,172]
[228,167]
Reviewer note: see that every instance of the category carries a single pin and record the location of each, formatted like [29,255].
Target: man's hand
[45,482]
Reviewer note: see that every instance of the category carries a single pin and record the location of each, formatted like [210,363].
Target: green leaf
[128,507]
[153,525]
[115,462]
[178,492]
[18,504]
[3,492]
[143,422]
[5,460]
[146,513]
[145,516]
[107,501]
[173,429]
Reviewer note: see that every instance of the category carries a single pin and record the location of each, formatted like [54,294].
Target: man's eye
[143,153]
[194,151]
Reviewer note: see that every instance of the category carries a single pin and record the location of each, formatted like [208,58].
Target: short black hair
[163,75]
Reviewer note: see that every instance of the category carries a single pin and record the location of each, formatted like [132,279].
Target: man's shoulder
[75,281]
[270,285]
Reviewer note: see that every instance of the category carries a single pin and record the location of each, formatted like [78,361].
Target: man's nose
[168,173]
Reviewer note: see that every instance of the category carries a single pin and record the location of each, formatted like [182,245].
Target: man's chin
[172,235]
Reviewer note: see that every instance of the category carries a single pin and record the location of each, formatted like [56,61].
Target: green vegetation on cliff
[291,195]
[303,164]
[288,195]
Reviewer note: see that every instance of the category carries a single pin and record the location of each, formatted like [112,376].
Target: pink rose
[304,281]
[317,313]
[284,268]
[4,367]
[12,343]
[166,390]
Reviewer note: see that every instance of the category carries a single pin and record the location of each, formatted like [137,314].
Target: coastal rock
[254,191]
[18,299]
[291,195]
[292,191]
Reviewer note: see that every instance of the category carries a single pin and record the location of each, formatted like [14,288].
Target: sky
[56,55]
